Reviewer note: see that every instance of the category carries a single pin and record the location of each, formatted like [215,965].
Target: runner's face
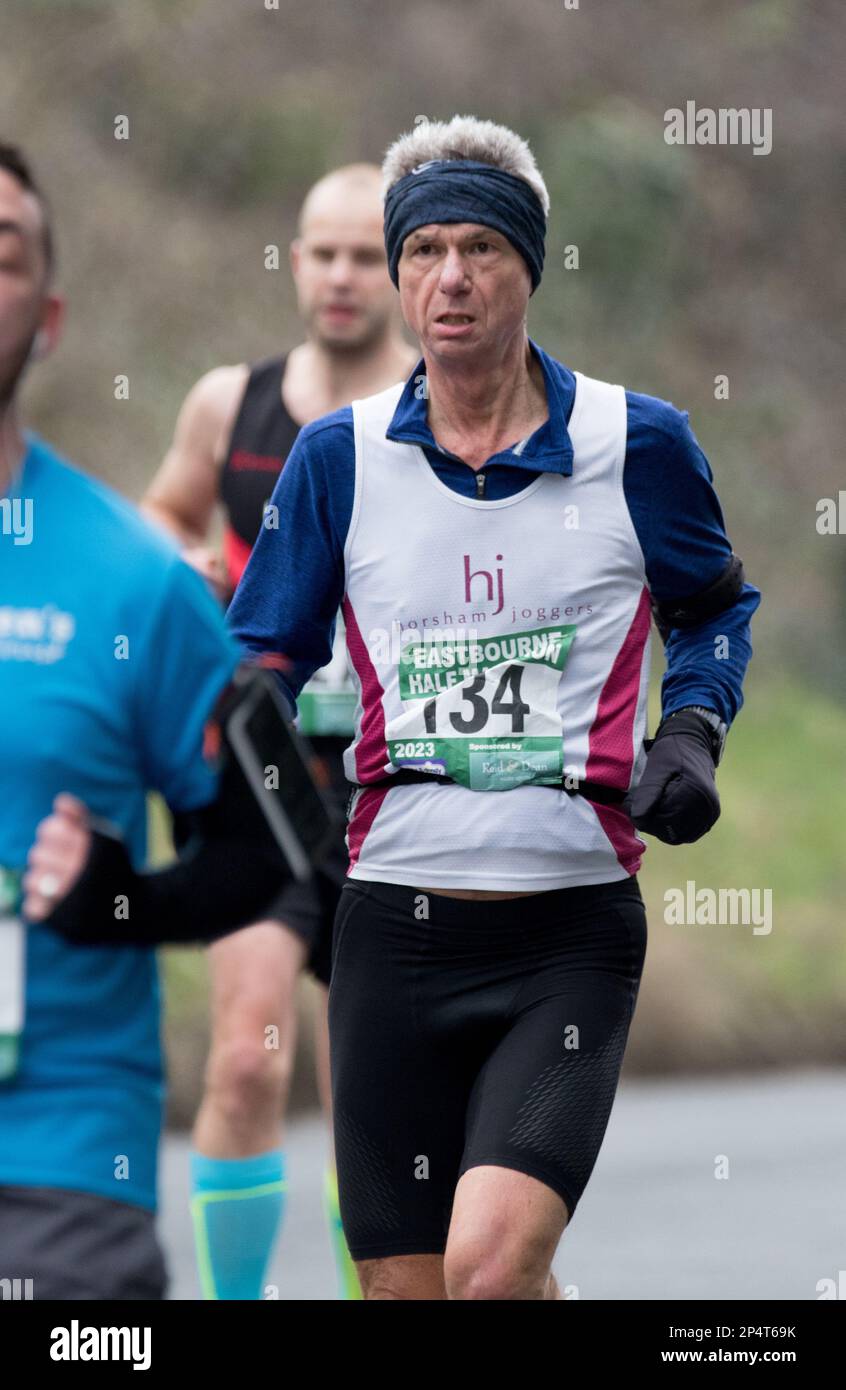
[344,292]
[463,287]
[24,301]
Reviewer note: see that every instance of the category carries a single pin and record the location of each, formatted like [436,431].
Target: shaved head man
[344,294]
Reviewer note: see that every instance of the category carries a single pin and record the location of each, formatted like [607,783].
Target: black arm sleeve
[228,871]
[219,886]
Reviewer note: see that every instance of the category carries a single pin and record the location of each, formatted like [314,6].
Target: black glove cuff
[689,724]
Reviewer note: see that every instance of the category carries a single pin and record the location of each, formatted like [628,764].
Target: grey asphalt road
[655,1221]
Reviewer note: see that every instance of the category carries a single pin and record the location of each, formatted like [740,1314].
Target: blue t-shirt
[112,652]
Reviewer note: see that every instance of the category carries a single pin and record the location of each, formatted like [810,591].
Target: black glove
[676,799]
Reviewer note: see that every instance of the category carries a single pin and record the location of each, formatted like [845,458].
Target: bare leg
[402,1277]
[254,974]
[503,1236]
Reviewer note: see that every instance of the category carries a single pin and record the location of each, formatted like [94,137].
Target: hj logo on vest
[489,581]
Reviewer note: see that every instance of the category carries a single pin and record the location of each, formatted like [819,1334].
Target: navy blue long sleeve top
[288,598]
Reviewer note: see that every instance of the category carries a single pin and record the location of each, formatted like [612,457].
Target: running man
[497,528]
[112,654]
[234,433]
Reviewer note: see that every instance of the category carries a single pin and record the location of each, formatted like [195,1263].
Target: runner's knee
[474,1272]
[244,1076]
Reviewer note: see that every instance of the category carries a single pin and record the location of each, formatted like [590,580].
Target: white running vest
[504,644]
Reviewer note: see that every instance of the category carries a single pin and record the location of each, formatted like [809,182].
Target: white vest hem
[439,878]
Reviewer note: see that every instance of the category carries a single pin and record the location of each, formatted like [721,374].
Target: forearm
[222,885]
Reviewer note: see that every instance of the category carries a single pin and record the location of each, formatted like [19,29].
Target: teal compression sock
[236,1205]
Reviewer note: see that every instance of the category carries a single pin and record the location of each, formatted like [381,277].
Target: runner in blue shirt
[112,653]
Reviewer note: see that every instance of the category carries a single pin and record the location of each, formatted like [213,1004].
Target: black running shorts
[73,1245]
[466,1033]
[308,909]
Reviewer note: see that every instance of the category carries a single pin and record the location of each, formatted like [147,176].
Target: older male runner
[498,529]
[233,435]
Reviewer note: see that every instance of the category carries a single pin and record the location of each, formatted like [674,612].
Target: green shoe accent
[348,1285]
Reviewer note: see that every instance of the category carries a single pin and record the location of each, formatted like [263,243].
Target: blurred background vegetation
[694,262]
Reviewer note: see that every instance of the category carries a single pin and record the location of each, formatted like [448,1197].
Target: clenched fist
[57,858]
[676,799]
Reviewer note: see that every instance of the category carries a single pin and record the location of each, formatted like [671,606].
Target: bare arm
[184,491]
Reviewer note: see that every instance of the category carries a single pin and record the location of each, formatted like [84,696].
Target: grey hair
[464,137]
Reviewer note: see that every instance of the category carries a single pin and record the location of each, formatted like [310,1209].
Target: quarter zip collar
[548,450]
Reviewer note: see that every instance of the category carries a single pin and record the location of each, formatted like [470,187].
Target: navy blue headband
[465,190]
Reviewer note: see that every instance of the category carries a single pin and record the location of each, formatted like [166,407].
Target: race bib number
[484,712]
[12,966]
[327,704]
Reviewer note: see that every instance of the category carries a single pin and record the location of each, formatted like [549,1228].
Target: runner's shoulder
[653,421]
[336,426]
[664,459]
[100,519]
[214,399]
[220,385]
[328,442]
